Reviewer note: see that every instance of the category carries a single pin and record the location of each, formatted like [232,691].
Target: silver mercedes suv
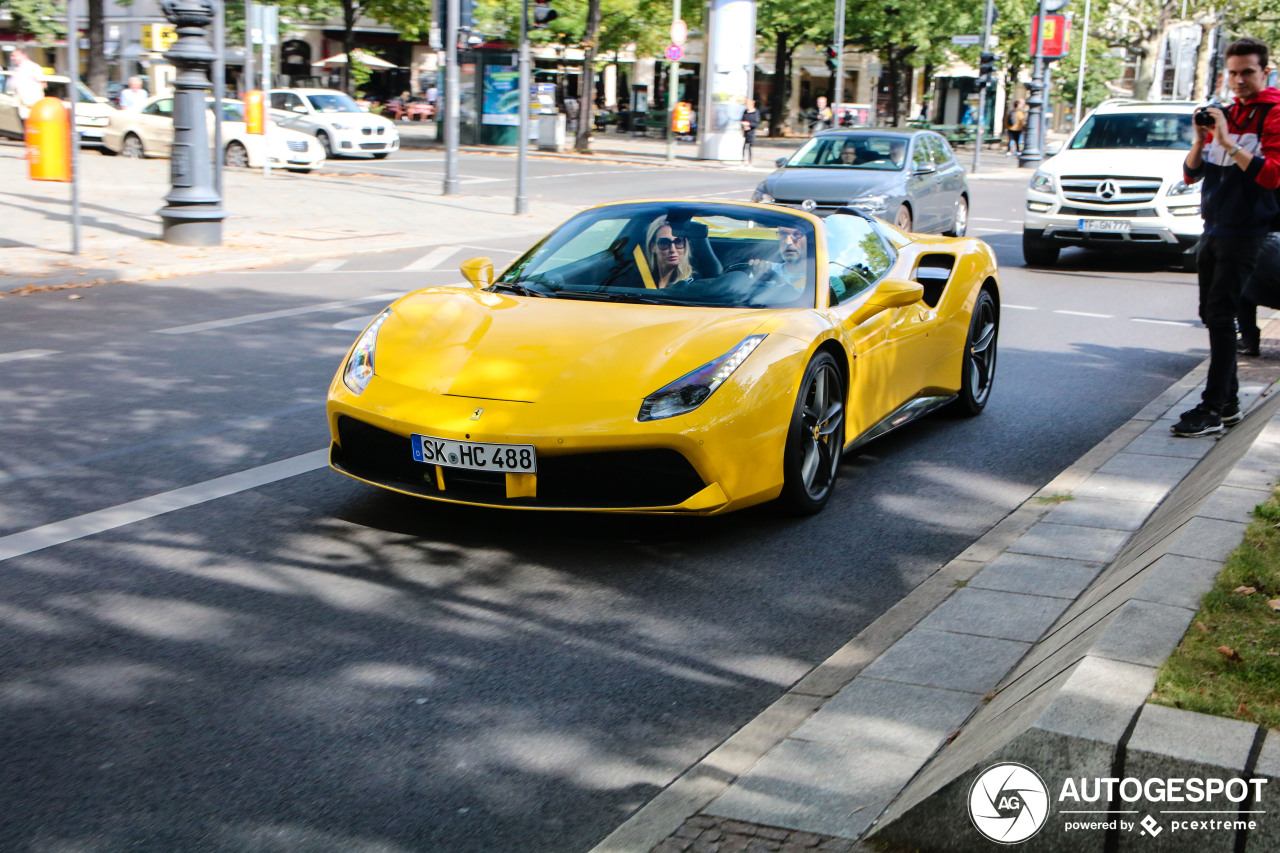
[1117,182]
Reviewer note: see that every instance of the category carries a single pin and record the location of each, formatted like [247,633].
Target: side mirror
[925,169]
[1052,148]
[479,271]
[889,294]
[780,162]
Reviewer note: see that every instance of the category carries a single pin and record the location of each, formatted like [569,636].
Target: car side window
[920,155]
[942,153]
[857,256]
[279,100]
[162,108]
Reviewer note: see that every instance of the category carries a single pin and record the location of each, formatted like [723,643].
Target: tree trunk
[781,79]
[587,97]
[350,14]
[894,103]
[96,67]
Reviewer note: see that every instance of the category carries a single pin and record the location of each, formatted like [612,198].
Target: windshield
[231,110]
[1135,130]
[715,255]
[333,102]
[854,151]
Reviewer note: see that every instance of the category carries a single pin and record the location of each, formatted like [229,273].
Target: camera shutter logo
[1107,190]
[1008,803]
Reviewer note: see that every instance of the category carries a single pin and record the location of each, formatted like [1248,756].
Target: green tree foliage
[1102,66]
[44,19]
[785,25]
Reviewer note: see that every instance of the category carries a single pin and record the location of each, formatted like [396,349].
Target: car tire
[1038,252]
[959,218]
[305,170]
[325,143]
[902,219]
[382,155]
[236,156]
[132,147]
[106,152]
[978,368]
[1190,259]
[815,439]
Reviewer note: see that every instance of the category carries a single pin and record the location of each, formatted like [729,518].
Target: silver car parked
[907,177]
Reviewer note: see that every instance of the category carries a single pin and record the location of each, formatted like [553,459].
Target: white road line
[93,523]
[18,355]
[275,315]
[745,193]
[1020,307]
[986,219]
[1183,323]
[326,266]
[355,324]
[1084,314]
[431,260]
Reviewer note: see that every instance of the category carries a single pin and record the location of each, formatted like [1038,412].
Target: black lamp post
[193,215]
[1032,149]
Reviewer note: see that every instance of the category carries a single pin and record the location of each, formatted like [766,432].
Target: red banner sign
[1057,36]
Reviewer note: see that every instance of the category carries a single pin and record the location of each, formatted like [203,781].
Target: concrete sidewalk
[274,220]
[1037,645]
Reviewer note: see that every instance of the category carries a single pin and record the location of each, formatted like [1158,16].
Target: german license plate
[505,458]
[1115,225]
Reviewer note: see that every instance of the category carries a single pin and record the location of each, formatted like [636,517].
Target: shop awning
[815,70]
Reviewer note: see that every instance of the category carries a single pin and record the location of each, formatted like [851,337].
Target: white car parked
[336,121]
[1117,182]
[148,132]
[92,114]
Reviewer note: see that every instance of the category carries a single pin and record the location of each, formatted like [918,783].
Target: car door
[154,126]
[887,363]
[950,178]
[922,187]
[10,124]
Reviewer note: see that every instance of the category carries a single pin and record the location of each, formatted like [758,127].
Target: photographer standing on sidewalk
[1237,153]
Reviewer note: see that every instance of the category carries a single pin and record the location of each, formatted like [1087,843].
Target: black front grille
[1066,210]
[625,478]
[369,146]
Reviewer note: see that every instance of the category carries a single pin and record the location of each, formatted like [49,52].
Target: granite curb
[852,745]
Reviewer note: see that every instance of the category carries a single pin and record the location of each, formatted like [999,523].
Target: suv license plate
[506,458]
[1120,225]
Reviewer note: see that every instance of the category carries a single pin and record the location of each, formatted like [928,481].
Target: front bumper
[356,141]
[1156,224]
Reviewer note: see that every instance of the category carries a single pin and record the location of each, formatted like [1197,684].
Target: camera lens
[1204,118]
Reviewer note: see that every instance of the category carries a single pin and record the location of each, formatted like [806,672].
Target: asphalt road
[209,641]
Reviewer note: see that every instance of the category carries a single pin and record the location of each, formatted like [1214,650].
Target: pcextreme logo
[1008,803]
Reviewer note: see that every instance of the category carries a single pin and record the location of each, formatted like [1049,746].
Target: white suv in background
[336,121]
[1117,182]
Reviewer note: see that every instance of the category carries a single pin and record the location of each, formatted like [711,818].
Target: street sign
[679,32]
[675,52]
[968,41]
[264,24]
[159,36]
[1057,35]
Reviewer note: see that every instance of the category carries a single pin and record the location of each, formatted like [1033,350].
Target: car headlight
[359,369]
[691,390]
[761,196]
[870,203]
[1042,181]
[1183,188]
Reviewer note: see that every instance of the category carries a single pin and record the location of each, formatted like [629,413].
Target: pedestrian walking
[820,116]
[750,121]
[133,96]
[1015,122]
[27,81]
[1236,153]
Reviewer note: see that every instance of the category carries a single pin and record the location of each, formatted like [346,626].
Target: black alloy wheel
[978,371]
[815,440]
[1037,251]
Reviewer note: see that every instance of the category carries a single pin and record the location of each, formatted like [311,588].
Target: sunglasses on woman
[665,243]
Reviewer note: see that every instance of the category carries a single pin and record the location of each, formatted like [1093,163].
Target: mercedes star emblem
[1108,190]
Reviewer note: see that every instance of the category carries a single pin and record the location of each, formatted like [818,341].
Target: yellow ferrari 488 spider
[668,357]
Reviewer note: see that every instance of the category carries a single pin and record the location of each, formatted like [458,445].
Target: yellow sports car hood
[471,343]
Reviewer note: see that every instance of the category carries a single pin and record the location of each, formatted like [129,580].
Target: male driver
[1239,160]
[793,248]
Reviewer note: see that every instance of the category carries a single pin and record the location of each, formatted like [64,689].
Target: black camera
[1202,117]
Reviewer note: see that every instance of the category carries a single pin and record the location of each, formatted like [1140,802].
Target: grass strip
[1228,663]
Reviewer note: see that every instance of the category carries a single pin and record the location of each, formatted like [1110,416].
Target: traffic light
[467,14]
[543,14]
[986,65]
[831,58]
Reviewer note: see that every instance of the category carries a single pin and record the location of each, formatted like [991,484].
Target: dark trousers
[1225,264]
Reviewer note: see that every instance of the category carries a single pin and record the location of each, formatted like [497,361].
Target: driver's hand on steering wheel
[760,268]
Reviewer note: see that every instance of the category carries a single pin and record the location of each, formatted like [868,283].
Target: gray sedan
[908,177]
